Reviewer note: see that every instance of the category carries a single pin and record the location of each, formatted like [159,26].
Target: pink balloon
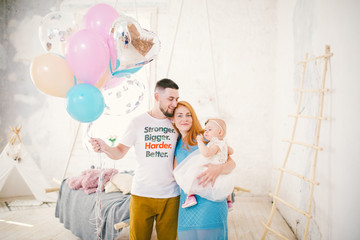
[100,18]
[87,55]
[113,52]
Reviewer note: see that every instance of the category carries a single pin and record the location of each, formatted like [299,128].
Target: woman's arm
[175,163]
[213,171]
[230,150]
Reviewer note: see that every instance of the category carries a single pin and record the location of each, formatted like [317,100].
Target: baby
[215,152]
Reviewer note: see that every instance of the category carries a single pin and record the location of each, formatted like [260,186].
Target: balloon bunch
[92,67]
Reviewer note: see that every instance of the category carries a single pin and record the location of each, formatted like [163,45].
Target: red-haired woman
[207,219]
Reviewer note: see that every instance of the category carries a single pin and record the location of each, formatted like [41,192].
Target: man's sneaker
[190,201]
[230,206]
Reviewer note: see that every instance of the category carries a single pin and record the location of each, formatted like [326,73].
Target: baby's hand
[199,138]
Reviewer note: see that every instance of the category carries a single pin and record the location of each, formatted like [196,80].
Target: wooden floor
[39,222]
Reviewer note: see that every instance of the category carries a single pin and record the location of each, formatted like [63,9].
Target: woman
[207,219]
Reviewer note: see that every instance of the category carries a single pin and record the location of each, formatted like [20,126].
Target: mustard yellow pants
[143,212]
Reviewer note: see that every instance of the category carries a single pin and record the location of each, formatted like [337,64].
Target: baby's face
[212,130]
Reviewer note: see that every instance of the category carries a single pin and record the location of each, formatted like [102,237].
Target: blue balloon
[117,63]
[84,102]
[124,72]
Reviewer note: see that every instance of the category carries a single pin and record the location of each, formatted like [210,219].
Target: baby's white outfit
[187,171]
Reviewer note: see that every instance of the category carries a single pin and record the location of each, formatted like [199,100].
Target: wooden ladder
[292,141]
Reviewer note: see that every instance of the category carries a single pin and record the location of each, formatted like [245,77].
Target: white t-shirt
[154,141]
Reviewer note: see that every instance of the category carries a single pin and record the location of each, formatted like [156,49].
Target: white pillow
[110,187]
[122,181]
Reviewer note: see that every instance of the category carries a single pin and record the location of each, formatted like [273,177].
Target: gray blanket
[77,210]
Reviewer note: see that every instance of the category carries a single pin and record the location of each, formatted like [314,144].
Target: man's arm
[115,153]
[120,151]
[213,171]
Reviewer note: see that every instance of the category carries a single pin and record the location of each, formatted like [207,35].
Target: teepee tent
[15,157]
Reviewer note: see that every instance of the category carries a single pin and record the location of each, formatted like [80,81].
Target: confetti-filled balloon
[123,98]
[54,31]
[115,81]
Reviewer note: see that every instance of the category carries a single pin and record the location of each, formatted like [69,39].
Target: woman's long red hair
[195,129]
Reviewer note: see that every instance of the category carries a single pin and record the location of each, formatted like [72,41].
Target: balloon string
[108,153]
[176,31]
[90,137]
[71,151]
[212,57]
[99,218]
[136,11]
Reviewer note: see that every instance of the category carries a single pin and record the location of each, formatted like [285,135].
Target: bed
[77,211]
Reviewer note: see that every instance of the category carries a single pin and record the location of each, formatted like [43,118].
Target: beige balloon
[99,84]
[51,74]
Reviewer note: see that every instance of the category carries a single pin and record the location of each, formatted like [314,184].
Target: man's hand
[97,144]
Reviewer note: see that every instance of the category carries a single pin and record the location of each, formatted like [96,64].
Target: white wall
[307,26]
[243,35]
[243,38]
[256,45]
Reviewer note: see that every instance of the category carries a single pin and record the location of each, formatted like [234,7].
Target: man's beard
[166,113]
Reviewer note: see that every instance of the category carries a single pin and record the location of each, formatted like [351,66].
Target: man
[154,193]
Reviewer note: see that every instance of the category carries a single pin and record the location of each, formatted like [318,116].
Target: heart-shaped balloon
[135,46]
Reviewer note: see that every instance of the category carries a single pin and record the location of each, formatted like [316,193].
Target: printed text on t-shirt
[154,141]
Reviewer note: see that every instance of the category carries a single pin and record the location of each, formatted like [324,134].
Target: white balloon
[54,31]
[123,95]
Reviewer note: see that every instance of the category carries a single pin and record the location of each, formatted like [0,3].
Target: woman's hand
[98,144]
[213,171]
[210,174]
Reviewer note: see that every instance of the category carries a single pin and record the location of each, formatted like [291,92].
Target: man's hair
[165,83]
